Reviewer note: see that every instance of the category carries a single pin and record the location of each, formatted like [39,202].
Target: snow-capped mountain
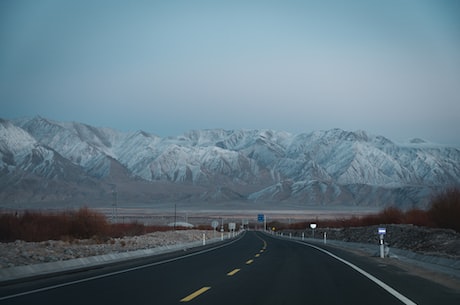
[321,167]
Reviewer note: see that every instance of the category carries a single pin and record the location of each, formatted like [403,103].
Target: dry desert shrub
[70,225]
[444,210]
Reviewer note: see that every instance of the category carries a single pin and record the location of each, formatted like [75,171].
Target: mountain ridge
[87,163]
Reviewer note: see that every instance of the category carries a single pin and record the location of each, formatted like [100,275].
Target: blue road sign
[260,218]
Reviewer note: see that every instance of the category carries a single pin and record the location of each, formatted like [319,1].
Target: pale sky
[387,67]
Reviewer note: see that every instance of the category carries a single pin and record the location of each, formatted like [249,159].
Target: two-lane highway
[256,269]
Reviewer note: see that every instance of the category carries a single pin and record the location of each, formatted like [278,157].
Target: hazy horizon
[166,67]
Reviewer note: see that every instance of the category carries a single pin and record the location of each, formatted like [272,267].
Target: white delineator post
[382,232]
[204,239]
[222,230]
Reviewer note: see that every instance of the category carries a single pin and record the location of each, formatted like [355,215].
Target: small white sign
[382,231]
[231,226]
[313,225]
[214,224]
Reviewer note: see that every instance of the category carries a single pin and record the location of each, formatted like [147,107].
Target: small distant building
[181,224]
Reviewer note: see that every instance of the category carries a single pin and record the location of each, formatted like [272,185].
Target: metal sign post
[245,224]
[214,225]
[262,218]
[313,227]
[382,232]
[231,228]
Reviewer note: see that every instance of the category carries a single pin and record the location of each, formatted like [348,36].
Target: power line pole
[175,216]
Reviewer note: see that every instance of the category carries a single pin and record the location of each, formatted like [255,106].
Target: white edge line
[115,273]
[390,290]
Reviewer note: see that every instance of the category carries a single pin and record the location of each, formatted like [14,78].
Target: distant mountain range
[50,162]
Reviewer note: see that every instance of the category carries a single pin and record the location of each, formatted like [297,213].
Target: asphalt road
[255,269]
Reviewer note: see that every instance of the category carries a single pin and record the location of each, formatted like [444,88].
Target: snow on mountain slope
[15,143]
[20,151]
[370,166]
[317,167]
[84,145]
[137,151]
[33,172]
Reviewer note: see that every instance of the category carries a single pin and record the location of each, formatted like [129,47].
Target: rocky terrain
[24,253]
[428,241]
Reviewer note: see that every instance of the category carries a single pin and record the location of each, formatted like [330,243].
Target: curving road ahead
[254,269]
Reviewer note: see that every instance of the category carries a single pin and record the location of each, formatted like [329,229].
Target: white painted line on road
[116,272]
[390,290]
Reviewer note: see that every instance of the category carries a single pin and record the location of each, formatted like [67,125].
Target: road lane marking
[386,287]
[249,262]
[257,255]
[117,272]
[263,240]
[233,272]
[261,251]
[195,294]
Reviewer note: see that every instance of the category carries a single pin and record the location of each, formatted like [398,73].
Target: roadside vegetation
[82,224]
[443,212]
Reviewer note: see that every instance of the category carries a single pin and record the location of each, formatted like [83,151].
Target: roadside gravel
[20,253]
[434,242]
[427,241]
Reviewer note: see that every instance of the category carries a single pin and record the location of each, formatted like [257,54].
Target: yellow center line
[233,272]
[257,255]
[249,261]
[195,294]
[261,251]
[265,244]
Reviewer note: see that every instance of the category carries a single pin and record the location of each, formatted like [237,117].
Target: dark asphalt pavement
[255,269]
